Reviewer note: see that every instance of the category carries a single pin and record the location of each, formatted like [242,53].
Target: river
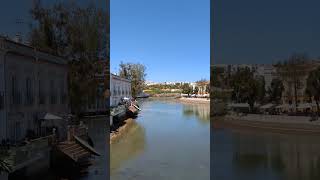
[169,140]
[251,154]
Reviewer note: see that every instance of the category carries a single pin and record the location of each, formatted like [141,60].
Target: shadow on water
[128,147]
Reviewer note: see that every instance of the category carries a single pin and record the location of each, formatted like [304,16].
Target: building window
[61,92]
[15,95]
[52,93]
[13,89]
[114,91]
[28,92]
[1,101]
[41,93]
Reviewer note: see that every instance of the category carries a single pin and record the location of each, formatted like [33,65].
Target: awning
[267,106]
[49,119]
[282,106]
[305,106]
[49,116]
[239,105]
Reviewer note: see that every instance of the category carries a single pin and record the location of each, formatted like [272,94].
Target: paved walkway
[276,118]
[195,100]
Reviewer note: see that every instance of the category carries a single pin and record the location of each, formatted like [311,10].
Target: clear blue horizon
[171,38]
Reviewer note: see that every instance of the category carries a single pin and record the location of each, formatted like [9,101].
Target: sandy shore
[279,123]
[194,100]
[114,136]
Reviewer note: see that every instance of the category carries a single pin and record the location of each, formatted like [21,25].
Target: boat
[86,145]
[132,111]
[143,95]
[75,153]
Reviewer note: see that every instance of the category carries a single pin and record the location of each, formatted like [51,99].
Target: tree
[218,79]
[290,71]
[261,88]
[186,89]
[245,87]
[196,90]
[136,73]
[313,86]
[275,90]
[78,34]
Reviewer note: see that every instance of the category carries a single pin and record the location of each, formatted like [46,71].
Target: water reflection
[201,111]
[263,155]
[295,157]
[170,146]
[129,146]
[97,132]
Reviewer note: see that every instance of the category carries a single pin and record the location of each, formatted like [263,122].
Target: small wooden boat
[85,145]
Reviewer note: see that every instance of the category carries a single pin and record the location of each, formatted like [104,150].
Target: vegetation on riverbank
[136,73]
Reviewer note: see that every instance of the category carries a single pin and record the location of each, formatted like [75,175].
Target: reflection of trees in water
[129,146]
[201,111]
[294,157]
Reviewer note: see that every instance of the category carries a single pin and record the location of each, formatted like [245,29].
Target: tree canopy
[136,73]
[246,87]
[78,34]
[313,86]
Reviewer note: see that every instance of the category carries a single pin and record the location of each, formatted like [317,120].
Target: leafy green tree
[313,86]
[217,75]
[78,34]
[261,88]
[186,89]
[245,87]
[196,90]
[275,90]
[136,73]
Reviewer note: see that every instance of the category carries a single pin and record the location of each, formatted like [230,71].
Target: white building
[31,83]
[268,71]
[119,88]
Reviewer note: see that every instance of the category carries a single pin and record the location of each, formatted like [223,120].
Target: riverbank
[274,123]
[194,100]
[165,95]
[121,130]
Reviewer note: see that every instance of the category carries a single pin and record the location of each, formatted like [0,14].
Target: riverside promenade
[278,123]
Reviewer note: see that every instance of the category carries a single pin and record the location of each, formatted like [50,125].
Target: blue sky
[170,37]
[264,31]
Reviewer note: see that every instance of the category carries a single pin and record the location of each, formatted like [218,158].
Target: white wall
[119,88]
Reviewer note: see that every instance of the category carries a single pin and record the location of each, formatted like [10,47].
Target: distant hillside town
[199,88]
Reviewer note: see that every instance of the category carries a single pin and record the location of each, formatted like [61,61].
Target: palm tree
[313,86]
